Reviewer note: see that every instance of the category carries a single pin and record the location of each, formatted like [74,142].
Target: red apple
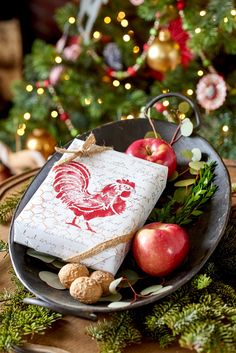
[159,248]
[154,150]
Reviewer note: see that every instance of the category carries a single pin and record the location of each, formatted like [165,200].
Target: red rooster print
[71,184]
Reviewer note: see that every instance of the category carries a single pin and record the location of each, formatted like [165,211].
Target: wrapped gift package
[91,201]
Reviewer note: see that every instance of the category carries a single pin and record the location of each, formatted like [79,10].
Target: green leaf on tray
[185,182]
[114,284]
[151,290]
[111,298]
[51,279]
[41,256]
[117,305]
[196,154]
[186,127]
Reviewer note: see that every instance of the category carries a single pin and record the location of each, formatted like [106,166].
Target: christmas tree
[113,57]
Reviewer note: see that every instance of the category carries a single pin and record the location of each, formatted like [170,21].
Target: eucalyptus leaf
[197,165]
[193,171]
[174,176]
[185,182]
[51,279]
[196,154]
[114,284]
[58,263]
[131,275]
[180,194]
[187,154]
[41,256]
[186,127]
[151,289]
[117,305]
[111,298]
[164,289]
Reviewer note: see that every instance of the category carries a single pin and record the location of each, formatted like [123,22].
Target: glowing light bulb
[71,20]
[27,116]
[29,88]
[22,126]
[99,100]
[116,83]
[66,77]
[225,128]
[190,92]
[182,116]
[165,90]
[126,38]
[130,116]
[127,85]
[54,114]
[107,20]
[202,13]
[226,19]
[87,101]
[40,90]
[96,35]
[58,59]
[124,23]
[20,132]
[198,30]
[200,73]
[120,16]
[166,103]
[233,12]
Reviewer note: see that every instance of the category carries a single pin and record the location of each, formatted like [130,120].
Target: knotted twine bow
[89,148]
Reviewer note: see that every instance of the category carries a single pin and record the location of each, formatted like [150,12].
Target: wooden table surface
[69,333]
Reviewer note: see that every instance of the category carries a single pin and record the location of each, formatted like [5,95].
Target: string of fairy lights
[111,76]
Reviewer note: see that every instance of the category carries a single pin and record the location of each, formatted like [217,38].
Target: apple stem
[148,115]
[175,138]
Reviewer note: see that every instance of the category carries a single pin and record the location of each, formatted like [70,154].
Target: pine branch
[18,320]
[9,204]
[113,336]
[3,246]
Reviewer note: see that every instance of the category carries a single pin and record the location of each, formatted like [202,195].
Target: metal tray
[204,234]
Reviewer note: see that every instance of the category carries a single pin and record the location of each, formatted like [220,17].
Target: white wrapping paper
[88,201]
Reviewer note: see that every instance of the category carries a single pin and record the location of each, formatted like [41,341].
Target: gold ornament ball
[164,53]
[40,140]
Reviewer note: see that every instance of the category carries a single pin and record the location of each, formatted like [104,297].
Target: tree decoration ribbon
[88,148]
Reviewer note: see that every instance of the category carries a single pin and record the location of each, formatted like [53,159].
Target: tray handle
[80,313]
[181,96]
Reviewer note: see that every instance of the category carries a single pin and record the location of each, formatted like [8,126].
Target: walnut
[86,290]
[104,279]
[70,272]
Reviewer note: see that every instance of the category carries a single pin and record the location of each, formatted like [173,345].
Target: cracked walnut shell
[70,272]
[104,279]
[86,290]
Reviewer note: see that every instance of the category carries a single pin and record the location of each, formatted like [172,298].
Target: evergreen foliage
[85,88]
[18,320]
[115,335]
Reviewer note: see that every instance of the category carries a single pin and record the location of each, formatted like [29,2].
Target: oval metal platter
[205,233]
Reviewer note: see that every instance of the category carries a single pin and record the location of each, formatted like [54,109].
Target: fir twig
[18,320]
[9,204]
[3,246]
[116,334]
[184,213]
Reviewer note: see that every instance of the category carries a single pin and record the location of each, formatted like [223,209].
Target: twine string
[88,148]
